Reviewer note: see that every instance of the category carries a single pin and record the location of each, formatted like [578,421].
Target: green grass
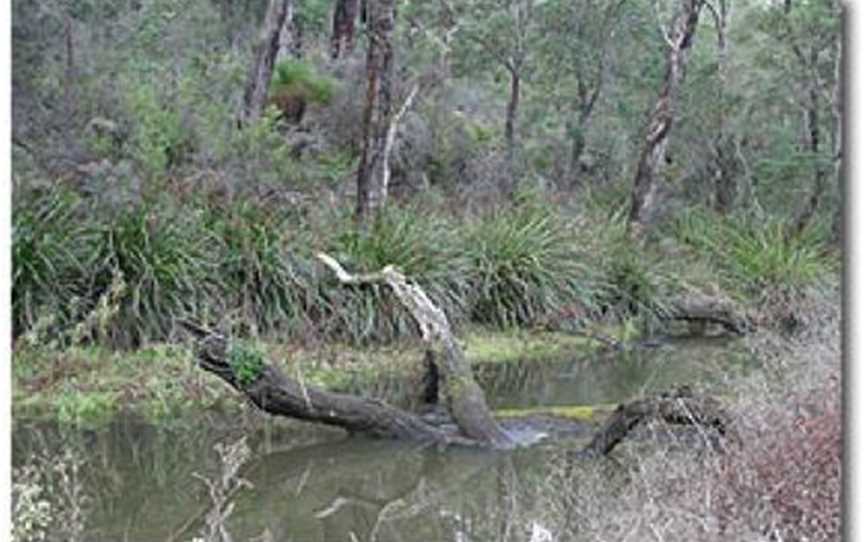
[525,265]
[421,245]
[50,246]
[754,255]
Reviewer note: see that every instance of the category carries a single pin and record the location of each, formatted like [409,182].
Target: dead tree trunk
[344,19]
[653,150]
[680,407]
[273,392]
[255,94]
[512,114]
[465,400]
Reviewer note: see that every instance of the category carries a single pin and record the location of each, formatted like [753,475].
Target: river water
[313,484]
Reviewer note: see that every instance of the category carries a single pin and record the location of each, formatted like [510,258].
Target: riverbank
[89,385]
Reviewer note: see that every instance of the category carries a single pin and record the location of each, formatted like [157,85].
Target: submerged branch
[679,407]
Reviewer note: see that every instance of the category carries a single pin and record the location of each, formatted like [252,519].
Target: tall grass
[525,264]
[752,255]
[162,256]
[50,246]
[261,277]
[421,245]
[252,265]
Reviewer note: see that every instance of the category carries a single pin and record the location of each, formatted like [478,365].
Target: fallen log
[272,391]
[709,311]
[465,399]
[679,407]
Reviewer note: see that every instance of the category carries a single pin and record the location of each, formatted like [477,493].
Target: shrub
[524,266]
[635,282]
[163,259]
[754,255]
[260,275]
[50,244]
[295,84]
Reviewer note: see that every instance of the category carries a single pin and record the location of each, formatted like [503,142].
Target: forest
[582,257]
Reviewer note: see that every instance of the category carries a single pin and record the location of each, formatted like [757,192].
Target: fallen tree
[272,391]
[678,407]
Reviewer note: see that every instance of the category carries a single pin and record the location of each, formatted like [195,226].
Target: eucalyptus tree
[811,32]
[344,21]
[574,62]
[501,32]
[371,188]
[678,38]
[279,15]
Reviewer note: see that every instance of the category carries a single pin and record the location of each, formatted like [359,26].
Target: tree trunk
[837,98]
[806,213]
[465,399]
[344,19]
[510,128]
[725,160]
[578,139]
[376,113]
[255,94]
[681,407]
[275,393]
[662,115]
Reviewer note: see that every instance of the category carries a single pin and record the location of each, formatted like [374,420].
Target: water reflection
[314,484]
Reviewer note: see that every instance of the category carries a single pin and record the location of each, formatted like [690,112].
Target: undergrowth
[123,277]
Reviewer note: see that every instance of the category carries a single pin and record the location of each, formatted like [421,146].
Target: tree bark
[808,210]
[376,114]
[653,151]
[275,393]
[680,407]
[344,20]
[725,160]
[465,399]
[512,115]
[258,82]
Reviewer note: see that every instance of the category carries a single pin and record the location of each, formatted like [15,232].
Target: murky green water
[312,484]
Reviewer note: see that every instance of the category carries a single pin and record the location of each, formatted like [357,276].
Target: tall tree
[678,40]
[575,57]
[344,18]
[810,30]
[279,15]
[725,160]
[371,190]
[502,31]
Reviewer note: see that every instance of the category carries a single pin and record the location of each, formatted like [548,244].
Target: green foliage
[635,283]
[524,265]
[159,139]
[162,258]
[753,255]
[300,79]
[257,269]
[49,256]
[79,408]
[246,360]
